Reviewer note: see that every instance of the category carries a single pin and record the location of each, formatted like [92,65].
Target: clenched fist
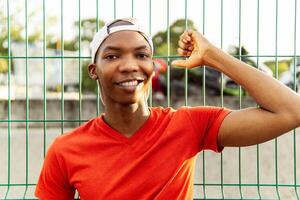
[194,45]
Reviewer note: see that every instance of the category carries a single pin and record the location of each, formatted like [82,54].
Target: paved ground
[212,168]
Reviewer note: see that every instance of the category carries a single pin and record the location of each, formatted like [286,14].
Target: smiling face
[124,68]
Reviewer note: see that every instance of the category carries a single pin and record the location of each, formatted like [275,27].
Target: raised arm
[279,109]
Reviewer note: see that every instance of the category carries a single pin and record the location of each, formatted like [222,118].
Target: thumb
[180,63]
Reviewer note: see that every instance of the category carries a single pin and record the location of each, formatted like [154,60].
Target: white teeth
[129,83]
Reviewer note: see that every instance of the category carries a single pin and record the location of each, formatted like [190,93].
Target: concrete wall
[88,109]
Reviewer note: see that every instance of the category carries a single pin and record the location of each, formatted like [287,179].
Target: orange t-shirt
[157,162]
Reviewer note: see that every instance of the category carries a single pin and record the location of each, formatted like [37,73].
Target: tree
[176,29]
[16,30]
[88,28]
[236,52]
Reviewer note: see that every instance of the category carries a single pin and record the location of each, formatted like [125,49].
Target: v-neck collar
[108,130]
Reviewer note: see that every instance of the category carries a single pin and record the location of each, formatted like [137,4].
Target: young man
[132,151]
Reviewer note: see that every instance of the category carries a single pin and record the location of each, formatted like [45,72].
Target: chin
[132,101]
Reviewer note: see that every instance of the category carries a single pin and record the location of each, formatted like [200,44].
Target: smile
[130,86]
[130,83]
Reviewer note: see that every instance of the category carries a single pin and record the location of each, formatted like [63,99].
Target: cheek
[102,77]
[149,69]
[104,71]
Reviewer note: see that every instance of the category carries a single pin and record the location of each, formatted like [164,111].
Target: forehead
[125,39]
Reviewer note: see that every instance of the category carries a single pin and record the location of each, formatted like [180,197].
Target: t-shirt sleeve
[207,121]
[53,182]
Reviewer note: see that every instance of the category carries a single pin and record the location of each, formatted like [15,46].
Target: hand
[194,45]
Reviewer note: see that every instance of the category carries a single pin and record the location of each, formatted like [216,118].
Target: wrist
[211,56]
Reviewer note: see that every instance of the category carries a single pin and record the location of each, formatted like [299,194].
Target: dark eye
[143,55]
[111,57]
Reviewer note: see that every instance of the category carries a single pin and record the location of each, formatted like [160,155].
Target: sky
[237,27]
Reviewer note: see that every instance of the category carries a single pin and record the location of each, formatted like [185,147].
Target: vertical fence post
[132,8]
[186,69]
[115,9]
[79,63]
[295,59]
[150,33]
[240,97]
[276,76]
[168,54]
[9,99]
[204,103]
[44,79]
[27,98]
[97,28]
[257,64]
[222,101]
[62,101]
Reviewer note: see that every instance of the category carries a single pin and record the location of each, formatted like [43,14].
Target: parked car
[214,79]
[287,77]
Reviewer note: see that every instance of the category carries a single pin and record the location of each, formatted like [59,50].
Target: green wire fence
[28,123]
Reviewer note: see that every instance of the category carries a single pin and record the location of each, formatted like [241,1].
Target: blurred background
[45,90]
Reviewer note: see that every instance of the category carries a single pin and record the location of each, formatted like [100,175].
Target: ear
[92,71]
[153,63]
[153,74]
[154,68]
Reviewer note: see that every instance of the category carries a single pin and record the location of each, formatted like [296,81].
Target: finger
[181,36]
[184,46]
[189,32]
[191,48]
[187,46]
[185,36]
[180,63]
[183,52]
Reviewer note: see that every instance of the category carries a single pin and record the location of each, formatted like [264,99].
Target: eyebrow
[142,47]
[116,48]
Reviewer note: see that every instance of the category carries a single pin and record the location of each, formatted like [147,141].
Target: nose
[129,64]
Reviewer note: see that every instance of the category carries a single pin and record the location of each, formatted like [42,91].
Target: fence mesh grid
[266,171]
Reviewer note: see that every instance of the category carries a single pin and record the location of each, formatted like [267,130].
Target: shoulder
[78,135]
[169,110]
[197,114]
[186,110]
[161,110]
[170,114]
[205,111]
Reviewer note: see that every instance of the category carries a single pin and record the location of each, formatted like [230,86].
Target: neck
[126,119]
